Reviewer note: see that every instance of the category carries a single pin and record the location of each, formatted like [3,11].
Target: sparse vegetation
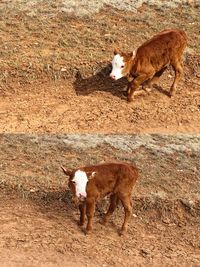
[54,66]
[54,69]
[166,198]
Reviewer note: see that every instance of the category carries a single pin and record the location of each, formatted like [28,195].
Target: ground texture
[54,86]
[55,71]
[39,221]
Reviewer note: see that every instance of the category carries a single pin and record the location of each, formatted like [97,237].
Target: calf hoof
[88,230]
[129,99]
[170,94]
[80,223]
[122,232]
[172,91]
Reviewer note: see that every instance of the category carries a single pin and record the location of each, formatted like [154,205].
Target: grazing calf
[91,183]
[150,60]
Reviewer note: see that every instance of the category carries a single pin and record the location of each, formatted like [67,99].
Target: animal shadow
[53,203]
[161,90]
[100,81]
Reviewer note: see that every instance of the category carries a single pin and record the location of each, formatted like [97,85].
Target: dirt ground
[39,222]
[55,71]
[46,234]
[59,107]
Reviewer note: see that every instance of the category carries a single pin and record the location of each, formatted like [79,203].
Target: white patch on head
[117,67]
[80,179]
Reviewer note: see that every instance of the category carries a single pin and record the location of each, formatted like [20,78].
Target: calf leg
[82,209]
[178,68]
[155,78]
[126,202]
[132,87]
[111,209]
[90,209]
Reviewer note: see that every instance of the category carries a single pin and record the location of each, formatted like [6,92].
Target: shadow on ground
[100,81]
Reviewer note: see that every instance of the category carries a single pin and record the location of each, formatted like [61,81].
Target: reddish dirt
[55,108]
[54,79]
[45,234]
[39,222]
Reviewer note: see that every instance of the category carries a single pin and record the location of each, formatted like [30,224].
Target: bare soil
[55,71]
[39,222]
[45,233]
[54,84]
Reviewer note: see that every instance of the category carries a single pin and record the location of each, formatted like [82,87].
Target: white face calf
[80,180]
[117,67]
[121,64]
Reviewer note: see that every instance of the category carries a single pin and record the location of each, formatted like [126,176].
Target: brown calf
[91,183]
[150,60]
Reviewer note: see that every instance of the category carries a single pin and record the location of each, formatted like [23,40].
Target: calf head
[121,64]
[77,183]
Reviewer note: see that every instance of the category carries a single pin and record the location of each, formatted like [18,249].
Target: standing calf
[150,60]
[91,183]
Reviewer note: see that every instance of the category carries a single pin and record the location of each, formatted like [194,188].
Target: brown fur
[114,179]
[153,57]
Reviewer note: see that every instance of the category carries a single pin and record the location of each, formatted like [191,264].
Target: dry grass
[38,45]
[31,164]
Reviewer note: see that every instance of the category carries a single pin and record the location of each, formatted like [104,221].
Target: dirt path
[46,234]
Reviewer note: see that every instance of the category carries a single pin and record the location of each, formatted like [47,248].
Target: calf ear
[91,175]
[67,172]
[116,51]
[133,54]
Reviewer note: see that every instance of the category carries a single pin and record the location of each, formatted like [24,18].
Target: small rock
[63,69]
[166,220]
[144,252]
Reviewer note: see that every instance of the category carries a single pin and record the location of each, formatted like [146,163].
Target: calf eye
[122,66]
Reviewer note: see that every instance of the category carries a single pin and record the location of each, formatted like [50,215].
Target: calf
[91,183]
[150,60]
